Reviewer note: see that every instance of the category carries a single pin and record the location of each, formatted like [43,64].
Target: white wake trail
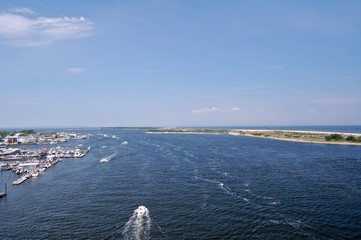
[139,225]
[107,159]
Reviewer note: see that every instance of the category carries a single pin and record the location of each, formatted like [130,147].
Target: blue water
[190,187]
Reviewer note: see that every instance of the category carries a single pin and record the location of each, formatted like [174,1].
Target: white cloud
[22,11]
[235,109]
[205,110]
[215,109]
[19,30]
[76,70]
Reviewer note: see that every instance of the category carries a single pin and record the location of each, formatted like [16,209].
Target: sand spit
[296,136]
[283,135]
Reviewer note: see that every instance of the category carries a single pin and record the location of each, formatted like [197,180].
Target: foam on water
[223,187]
[138,225]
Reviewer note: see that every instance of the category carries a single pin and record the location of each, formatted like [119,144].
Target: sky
[179,63]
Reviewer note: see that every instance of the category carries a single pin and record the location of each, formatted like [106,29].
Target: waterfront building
[11,139]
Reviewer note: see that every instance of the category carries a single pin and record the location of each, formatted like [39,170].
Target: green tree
[351,138]
[3,133]
[328,138]
[334,137]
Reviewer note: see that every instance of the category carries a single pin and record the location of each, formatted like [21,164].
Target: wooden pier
[3,194]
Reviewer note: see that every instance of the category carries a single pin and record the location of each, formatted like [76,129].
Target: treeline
[338,137]
[21,133]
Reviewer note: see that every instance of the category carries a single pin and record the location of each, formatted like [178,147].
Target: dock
[20,180]
[3,194]
[30,162]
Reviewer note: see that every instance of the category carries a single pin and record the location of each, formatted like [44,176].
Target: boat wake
[138,225]
[107,159]
[223,187]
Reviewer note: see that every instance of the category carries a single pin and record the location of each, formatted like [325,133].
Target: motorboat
[107,159]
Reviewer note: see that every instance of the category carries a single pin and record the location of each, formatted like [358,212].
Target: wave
[139,225]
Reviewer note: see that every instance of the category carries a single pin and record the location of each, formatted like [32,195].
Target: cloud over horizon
[215,109]
[75,70]
[24,31]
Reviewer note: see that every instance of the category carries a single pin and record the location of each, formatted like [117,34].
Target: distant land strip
[285,135]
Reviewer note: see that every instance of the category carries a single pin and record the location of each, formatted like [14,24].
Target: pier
[29,163]
[3,194]
[21,180]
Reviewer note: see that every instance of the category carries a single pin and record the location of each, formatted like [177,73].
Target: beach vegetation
[256,134]
[351,138]
[334,137]
[27,132]
[3,133]
[21,133]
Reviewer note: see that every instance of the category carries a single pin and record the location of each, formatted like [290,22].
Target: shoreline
[297,140]
[299,136]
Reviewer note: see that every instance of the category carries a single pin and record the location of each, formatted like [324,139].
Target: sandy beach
[318,136]
[248,132]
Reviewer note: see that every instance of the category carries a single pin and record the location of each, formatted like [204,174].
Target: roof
[11,137]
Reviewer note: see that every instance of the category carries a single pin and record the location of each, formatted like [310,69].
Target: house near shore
[30,139]
[11,139]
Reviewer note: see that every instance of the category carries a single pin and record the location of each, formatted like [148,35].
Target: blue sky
[179,63]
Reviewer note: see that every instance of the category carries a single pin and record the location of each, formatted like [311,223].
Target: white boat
[107,159]
[77,153]
[125,143]
[34,174]
[141,210]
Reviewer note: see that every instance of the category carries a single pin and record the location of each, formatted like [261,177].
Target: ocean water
[163,186]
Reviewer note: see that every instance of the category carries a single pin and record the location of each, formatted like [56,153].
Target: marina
[31,167]
[28,163]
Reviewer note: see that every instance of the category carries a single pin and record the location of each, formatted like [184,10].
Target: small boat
[141,210]
[107,159]
[125,143]
[34,174]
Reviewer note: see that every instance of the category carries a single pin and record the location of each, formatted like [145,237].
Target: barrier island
[285,135]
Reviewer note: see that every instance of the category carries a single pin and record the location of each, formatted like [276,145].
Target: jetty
[21,180]
[3,194]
